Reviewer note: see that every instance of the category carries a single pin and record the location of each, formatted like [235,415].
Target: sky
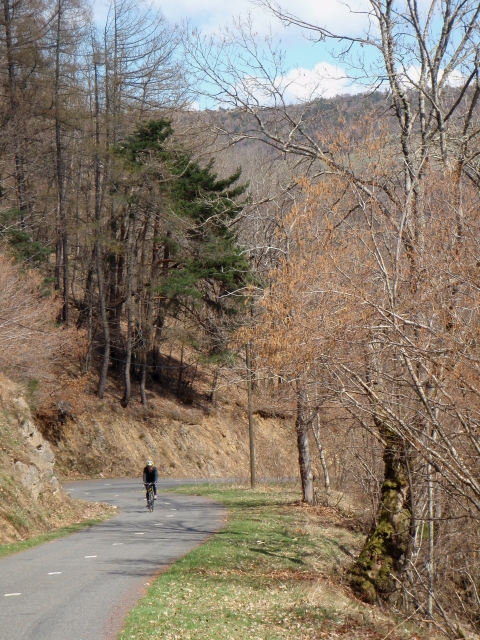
[312,68]
[309,64]
[308,60]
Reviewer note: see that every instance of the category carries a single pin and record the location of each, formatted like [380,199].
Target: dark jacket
[150,474]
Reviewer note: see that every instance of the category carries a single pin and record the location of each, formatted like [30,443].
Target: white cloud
[324,80]
[456,78]
[299,85]
[312,79]
[411,76]
[194,106]
[210,15]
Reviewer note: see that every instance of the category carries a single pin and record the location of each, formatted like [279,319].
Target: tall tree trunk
[102,381]
[128,357]
[73,285]
[88,312]
[180,374]
[321,452]
[20,183]
[143,378]
[58,257]
[66,285]
[60,169]
[129,304]
[386,552]
[86,315]
[304,458]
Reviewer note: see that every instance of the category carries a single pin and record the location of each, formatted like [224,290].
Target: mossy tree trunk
[384,557]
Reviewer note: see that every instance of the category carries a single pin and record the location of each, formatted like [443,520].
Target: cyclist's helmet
[149,463]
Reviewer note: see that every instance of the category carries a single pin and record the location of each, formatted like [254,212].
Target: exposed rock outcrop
[31,498]
[37,477]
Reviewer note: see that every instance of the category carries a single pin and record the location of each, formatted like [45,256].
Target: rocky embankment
[31,498]
[91,438]
[78,436]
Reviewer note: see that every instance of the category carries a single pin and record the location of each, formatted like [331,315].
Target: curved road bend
[82,586]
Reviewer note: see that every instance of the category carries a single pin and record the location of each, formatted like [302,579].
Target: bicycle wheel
[151,500]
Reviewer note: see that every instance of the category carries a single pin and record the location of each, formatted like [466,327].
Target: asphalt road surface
[82,586]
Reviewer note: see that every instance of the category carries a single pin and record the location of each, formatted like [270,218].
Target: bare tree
[428,63]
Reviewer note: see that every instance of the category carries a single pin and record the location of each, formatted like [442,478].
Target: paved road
[82,586]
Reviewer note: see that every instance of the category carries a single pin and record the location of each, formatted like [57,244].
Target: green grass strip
[255,579]
[23,545]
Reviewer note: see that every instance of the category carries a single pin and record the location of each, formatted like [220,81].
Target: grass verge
[23,545]
[274,572]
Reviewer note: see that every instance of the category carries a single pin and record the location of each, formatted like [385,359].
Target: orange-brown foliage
[31,345]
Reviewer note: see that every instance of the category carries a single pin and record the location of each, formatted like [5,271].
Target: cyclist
[150,475]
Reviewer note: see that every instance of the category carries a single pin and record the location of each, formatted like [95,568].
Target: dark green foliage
[213,261]
[23,248]
[198,193]
[173,218]
[206,250]
[147,141]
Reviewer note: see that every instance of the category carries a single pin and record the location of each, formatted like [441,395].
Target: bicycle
[150,496]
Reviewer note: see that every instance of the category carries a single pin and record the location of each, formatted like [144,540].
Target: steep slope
[31,499]
[91,437]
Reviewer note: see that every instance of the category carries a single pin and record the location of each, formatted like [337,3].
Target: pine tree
[182,239]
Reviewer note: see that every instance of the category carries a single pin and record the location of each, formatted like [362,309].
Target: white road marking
[90,556]
[166,503]
[173,509]
[116,495]
[139,534]
[54,573]
[108,484]
[169,516]
[87,493]
[116,544]
[12,594]
[159,524]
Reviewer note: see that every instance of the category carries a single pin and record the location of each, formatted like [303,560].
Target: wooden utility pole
[250,417]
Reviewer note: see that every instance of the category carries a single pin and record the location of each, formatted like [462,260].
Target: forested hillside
[121,270]
[146,243]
